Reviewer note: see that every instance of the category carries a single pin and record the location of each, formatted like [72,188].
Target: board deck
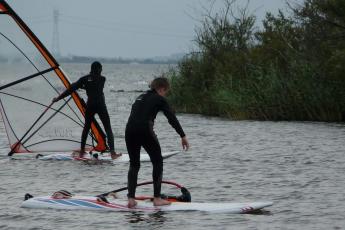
[124,158]
[91,203]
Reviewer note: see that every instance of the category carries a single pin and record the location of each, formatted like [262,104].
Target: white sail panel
[30,79]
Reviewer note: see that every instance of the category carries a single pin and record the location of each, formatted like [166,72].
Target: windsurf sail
[30,78]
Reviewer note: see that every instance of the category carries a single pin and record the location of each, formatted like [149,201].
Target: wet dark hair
[160,82]
[96,67]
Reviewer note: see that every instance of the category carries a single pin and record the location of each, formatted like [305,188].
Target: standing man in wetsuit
[139,133]
[93,83]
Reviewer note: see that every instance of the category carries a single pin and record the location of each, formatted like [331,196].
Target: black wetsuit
[139,133]
[93,84]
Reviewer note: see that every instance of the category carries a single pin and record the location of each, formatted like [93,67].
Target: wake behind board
[94,204]
[144,157]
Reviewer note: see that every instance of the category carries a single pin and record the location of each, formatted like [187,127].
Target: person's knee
[135,166]
[158,166]
[157,160]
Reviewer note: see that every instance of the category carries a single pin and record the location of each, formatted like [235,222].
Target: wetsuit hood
[96,68]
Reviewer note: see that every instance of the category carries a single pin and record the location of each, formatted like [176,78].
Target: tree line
[290,68]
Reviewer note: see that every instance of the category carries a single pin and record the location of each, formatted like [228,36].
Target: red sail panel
[2,8]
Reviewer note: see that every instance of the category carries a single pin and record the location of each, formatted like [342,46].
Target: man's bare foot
[157,201]
[75,153]
[78,154]
[115,155]
[82,153]
[131,203]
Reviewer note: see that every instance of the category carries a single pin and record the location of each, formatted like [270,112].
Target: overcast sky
[123,28]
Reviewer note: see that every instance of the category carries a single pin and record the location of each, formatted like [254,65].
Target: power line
[56,42]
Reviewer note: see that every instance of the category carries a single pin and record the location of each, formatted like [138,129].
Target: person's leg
[133,147]
[89,114]
[152,147]
[104,116]
[105,119]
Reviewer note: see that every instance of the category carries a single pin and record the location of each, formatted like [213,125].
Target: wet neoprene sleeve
[73,87]
[165,108]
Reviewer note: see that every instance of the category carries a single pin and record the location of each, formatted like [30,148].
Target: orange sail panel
[2,8]
[30,79]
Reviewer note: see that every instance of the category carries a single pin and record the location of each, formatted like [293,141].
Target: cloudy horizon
[128,29]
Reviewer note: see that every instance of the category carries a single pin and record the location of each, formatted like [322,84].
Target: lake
[298,165]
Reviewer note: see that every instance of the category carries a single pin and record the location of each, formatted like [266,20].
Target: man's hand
[185,144]
[55,99]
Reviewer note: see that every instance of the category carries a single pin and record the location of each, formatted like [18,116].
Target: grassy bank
[291,69]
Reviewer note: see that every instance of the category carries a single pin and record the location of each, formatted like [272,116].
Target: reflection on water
[156,219]
[260,212]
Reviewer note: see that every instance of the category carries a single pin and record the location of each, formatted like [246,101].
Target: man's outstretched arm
[73,87]
[173,121]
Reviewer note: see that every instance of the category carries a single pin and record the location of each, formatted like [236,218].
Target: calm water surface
[298,165]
